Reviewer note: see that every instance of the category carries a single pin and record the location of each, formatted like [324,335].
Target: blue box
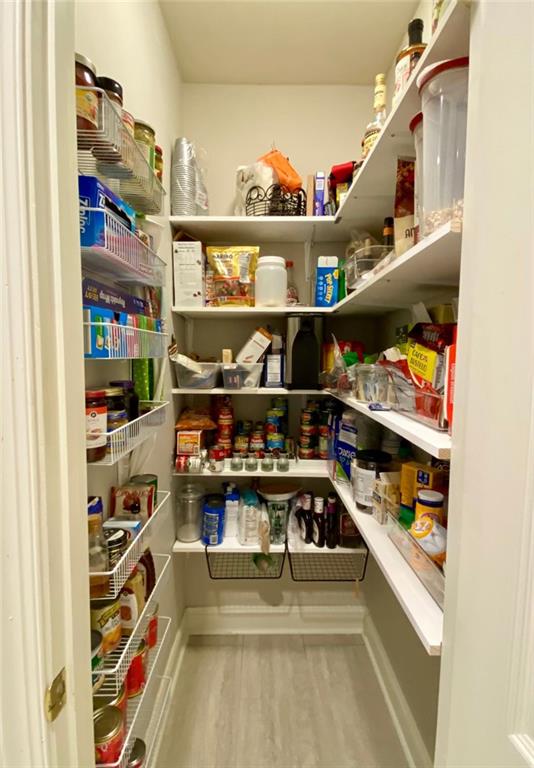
[99,295]
[98,338]
[327,283]
[319,194]
[93,194]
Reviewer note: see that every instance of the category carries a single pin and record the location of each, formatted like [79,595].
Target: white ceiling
[276,42]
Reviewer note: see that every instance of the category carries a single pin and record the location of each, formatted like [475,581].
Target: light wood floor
[279,702]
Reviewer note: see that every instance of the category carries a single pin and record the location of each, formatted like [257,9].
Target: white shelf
[429,267]
[256,312]
[230,544]
[303,468]
[422,611]
[371,196]
[259,391]
[250,230]
[433,441]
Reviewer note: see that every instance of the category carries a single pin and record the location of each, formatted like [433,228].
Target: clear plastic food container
[416,128]
[371,384]
[205,377]
[405,396]
[364,260]
[242,375]
[443,89]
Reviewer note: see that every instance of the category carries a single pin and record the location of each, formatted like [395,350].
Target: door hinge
[56,696]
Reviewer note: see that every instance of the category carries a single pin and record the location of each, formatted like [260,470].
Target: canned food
[152,629]
[272,417]
[323,447]
[307,441]
[306,453]
[97,658]
[109,731]
[182,463]
[106,618]
[324,430]
[136,676]
[275,440]
[117,543]
[137,755]
[118,700]
[241,443]
[307,416]
[308,429]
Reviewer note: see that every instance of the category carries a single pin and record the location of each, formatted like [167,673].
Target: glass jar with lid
[113,90]
[145,137]
[116,404]
[86,95]
[189,513]
[365,469]
[96,418]
[131,398]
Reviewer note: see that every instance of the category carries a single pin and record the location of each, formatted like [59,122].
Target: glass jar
[116,405]
[98,550]
[117,543]
[189,513]
[131,398]
[146,141]
[267,463]
[282,464]
[365,469]
[86,97]
[96,419]
[216,459]
[251,463]
[113,90]
[236,464]
[158,162]
[128,121]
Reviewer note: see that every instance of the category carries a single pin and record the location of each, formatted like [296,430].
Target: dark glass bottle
[304,517]
[319,522]
[331,524]
[387,234]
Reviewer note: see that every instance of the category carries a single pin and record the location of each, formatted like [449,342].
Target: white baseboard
[275,620]
[403,719]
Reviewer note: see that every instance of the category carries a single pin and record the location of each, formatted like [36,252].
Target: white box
[255,347]
[188,273]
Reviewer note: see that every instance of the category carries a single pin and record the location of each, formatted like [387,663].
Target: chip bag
[234,274]
[287,175]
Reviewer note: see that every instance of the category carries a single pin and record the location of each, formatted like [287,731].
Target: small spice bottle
[145,137]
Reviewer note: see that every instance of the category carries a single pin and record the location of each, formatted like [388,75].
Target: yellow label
[87,105]
[422,361]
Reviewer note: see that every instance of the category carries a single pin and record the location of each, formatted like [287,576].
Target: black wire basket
[277,200]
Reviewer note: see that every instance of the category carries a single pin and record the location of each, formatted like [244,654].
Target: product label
[129,613]
[274,371]
[87,105]
[364,481]
[96,424]
[422,361]
[402,75]
[345,450]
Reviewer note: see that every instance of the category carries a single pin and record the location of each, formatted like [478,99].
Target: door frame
[44,529]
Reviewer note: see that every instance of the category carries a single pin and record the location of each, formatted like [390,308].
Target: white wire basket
[122,570]
[149,723]
[122,255]
[117,662]
[124,439]
[140,708]
[111,153]
[111,341]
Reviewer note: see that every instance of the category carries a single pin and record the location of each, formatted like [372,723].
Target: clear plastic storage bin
[405,396]
[363,261]
[416,128]
[443,89]
[371,384]
[242,375]
[204,378]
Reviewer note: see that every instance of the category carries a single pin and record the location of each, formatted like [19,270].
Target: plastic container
[368,466]
[204,378]
[271,282]
[425,569]
[364,260]
[443,89]
[371,384]
[189,513]
[242,375]
[416,128]
[213,520]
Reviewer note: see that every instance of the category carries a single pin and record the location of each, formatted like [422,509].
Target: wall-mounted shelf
[246,230]
[302,468]
[230,544]
[422,611]
[371,196]
[431,440]
[274,391]
[122,342]
[124,439]
[240,312]
[122,256]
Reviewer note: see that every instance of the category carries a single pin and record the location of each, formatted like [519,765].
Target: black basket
[277,200]
[328,565]
[243,565]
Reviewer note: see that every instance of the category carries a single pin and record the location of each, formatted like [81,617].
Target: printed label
[96,422]
[364,482]
[87,106]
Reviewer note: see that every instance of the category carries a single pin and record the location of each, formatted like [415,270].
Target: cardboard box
[98,338]
[189,442]
[327,283]
[319,195]
[255,347]
[415,476]
[188,273]
[93,194]
[99,295]
[345,449]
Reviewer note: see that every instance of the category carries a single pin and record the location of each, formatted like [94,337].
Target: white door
[486,712]
[45,591]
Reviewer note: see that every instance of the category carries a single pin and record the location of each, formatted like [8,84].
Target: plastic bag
[248,176]
[287,175]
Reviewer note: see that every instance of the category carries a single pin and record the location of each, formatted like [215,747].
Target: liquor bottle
[331,530]
[305,518]
[387,233]
[319,522]
[408,57]
[372,131]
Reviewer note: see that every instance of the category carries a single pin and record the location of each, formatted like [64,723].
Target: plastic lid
[108,84]
[159,150]
[85,62]
[144,125]
[436,69]
[113,392]
[431,498]
[276,260]
[94,394]
[416,119]
[415,31]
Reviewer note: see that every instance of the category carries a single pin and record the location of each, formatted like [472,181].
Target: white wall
[128,41]
[315,126]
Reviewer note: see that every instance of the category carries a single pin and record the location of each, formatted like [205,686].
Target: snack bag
[287,175]
[234,274]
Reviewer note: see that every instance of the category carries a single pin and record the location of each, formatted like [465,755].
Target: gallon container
[443,89]
[416,127]
[271,282]
[189,513]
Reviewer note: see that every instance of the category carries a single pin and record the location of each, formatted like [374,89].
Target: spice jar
[130,396]
[87,95]
[282,465]
[216,457]
[146,141]
[251,463]
[116,405]
[267,463]
[236,464]
[365,469]
[96,416]
[158,159]
[113,90]
[109,732]
[137,755]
